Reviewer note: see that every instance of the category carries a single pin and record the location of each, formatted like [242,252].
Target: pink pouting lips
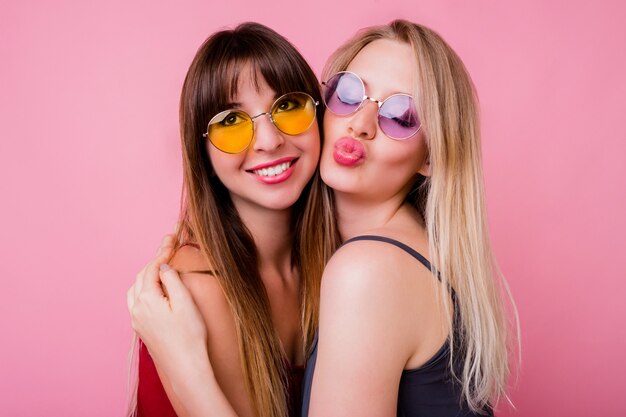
[349,152]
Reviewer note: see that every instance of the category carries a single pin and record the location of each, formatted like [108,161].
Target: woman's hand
[164,315]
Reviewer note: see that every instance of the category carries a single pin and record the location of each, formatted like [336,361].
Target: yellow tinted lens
[293,113]
[231,131]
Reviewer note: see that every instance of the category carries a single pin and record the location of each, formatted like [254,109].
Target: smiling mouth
[273,170]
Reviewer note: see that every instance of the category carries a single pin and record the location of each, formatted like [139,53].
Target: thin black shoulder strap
[408,250]
[397,243]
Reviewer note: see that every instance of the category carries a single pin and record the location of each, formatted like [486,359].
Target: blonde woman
[411,321]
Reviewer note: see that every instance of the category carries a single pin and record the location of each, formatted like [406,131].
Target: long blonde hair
[452,203]
[209,219]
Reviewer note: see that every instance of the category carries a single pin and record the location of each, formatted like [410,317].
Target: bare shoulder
[379,277]
[189,258]
[195,272]
[367,276]
[194,269]
[374,265]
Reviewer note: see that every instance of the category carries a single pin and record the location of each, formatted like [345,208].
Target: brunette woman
[249,248]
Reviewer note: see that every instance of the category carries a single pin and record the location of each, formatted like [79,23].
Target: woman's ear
[424,168]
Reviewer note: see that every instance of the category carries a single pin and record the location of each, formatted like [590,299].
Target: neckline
[292,367]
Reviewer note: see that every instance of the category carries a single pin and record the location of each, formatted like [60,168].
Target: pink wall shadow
[90,174]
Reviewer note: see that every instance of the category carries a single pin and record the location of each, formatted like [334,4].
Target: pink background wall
[90,177]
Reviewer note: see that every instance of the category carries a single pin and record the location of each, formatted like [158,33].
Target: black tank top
[429,390]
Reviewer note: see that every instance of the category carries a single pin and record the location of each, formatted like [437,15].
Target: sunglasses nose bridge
[269,115]
[366,101]
[378,102]
[261,114]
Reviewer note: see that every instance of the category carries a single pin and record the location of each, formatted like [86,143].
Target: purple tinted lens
[398,118]
[343,93]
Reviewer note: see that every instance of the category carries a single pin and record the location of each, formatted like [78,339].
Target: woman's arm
[175,331]
[364,339]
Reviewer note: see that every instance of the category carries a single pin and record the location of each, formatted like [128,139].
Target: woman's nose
[362,124]
[267,137]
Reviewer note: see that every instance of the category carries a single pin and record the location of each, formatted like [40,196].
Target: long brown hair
[209,218]
[452,203]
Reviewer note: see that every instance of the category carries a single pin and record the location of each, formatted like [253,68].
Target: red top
[152,400]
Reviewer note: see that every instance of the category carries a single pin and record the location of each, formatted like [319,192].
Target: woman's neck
[356,216]
[272,234]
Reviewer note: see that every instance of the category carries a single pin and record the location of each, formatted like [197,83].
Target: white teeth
[273,171]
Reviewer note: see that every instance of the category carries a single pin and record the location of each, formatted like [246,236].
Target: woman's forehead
[386,67]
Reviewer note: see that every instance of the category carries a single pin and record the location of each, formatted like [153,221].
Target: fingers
[147,282]
[151,282]
[139,281]
[165,250]
[149,274]
[173,285]
[145,297]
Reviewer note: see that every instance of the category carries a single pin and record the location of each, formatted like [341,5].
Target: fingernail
[164,267]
